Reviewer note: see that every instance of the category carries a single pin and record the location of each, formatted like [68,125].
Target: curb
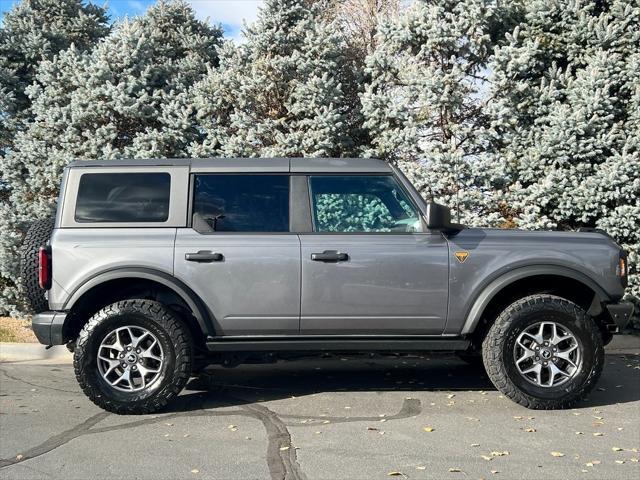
[37,353]
[34,353]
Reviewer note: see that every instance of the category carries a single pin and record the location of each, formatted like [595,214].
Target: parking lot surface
[322,418]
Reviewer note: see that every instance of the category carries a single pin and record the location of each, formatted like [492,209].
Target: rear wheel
[133,357]
[544,352]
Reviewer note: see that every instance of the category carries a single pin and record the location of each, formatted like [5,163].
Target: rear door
[369,267]
[238,254]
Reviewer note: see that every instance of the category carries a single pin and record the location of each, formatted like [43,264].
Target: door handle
[203,256]
[329,256]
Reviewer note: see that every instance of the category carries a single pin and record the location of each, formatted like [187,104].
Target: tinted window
[241,203]
[123,197]
[373,203]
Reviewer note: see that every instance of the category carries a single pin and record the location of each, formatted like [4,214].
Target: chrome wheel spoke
[126,375]
[527,354]
[149,354]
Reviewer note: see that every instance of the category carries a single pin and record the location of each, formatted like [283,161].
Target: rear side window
[123,197]
[241,203]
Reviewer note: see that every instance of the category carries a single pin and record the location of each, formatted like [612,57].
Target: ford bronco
[153,269]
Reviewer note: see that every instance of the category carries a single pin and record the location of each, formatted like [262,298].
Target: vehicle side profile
[154,269]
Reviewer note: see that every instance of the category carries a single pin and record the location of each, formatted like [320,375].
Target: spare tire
[37,236]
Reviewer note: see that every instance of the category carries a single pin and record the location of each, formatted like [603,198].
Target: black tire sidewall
[37,236]
[548,313]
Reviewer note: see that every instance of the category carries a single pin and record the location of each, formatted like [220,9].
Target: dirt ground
[16,330]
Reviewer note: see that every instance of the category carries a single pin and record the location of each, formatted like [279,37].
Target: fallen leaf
[557,454]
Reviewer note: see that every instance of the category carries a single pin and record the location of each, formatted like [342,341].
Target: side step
[347,344]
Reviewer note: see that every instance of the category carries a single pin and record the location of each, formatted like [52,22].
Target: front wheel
[133,357]
[544,352]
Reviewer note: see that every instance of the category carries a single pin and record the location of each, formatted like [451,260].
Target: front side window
[360,204]
[123,198]
[241,203]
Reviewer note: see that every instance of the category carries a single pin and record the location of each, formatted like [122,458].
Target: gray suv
[154,269]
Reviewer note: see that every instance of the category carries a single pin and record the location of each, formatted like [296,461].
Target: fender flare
[495,286]
[197,306]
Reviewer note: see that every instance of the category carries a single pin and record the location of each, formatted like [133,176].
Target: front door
[369,267]
[239,256]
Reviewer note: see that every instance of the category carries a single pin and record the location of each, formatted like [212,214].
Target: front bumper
[47,327]
[620,313]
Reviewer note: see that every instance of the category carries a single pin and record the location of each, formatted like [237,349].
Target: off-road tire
[497,352]
[37,236]
[173,336]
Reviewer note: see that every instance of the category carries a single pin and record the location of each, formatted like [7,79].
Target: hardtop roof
[252,165]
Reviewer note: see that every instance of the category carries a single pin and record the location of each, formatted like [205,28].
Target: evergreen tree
[424,106]
[566,115]
[36,30]
[128,97]
[279,93]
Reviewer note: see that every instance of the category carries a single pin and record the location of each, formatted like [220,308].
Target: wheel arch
[112,284]
[534,279]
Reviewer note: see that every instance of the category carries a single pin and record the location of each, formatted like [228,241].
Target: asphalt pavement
[322,418]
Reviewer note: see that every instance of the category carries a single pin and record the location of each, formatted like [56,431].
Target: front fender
[496,285]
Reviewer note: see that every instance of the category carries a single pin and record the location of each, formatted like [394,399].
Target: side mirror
[439,218]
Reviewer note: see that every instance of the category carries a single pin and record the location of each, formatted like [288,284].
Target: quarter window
[359,204]
[241,203]
[123,197]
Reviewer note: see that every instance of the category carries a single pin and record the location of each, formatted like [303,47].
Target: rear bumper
[47,327]
[620,313]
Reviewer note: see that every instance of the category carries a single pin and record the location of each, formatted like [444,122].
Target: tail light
[44,268]
[622,269]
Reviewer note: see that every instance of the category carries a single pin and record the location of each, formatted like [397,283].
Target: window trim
[192,193]
[400,185]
